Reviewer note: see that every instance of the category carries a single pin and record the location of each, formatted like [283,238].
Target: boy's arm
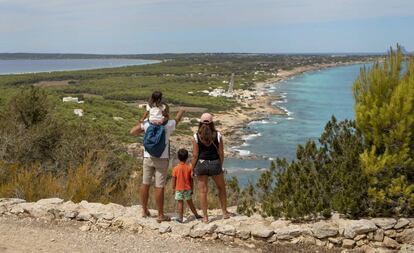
[174,179]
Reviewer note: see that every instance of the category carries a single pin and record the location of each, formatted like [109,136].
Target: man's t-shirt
[169,128]
[182,173]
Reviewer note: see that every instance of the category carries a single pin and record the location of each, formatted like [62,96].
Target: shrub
[385,115]
[323,178]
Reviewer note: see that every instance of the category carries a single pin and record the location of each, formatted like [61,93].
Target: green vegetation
[385,116]
[358,168]
[110,93]
[45,150]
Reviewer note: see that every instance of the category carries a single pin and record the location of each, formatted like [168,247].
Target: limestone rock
[3,209]
[50,201]
[390,243]
[243,233]
[181,229]
[348,243]
[8,202]
[83,215]
[226,230]
[360,237]
[100,211]
[352,228]
[323,229]
[261,231]
[226,238]
[164,228]
[385,223]
[292,231]
[407,236]
[402,222]
[280,224]
[85,228]
[406,248]
[379,235]
[201,229]
[129,223]
[335,240]
[391,233]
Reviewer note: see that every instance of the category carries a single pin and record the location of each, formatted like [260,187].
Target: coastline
[234,124]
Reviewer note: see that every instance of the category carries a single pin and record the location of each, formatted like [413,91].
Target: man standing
[156,167]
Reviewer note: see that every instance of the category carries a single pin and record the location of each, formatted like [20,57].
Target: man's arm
[179,115]
[136,130]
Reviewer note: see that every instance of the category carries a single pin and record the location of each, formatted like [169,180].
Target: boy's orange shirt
[182,173]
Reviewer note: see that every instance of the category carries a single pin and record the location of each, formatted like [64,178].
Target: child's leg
[180,209]
[192,207]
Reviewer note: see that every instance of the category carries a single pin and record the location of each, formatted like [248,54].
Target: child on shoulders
[182,184]
[156,110]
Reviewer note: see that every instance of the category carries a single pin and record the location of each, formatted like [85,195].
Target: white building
[70,99]
[78,112]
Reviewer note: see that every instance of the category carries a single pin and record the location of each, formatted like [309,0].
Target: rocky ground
[34,235]
[95,227]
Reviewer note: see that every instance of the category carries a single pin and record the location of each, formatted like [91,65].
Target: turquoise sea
[309,100]
[35,66]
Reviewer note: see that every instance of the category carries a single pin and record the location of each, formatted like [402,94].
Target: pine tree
[384,108]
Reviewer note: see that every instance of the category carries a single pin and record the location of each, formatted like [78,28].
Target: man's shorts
[183,195]
[157,167]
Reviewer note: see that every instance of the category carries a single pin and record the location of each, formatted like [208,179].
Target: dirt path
[29,235]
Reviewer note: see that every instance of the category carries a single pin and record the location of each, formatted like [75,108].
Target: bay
[36,66]
[310,100]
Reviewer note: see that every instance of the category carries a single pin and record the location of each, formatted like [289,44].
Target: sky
[185,26]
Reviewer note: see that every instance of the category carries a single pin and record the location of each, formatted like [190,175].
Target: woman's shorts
[208,168]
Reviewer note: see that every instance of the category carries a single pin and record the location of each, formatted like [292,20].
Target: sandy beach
[233,124]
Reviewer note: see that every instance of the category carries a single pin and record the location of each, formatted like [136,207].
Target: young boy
[182,184]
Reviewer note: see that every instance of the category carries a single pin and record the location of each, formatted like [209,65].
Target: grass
[108,93]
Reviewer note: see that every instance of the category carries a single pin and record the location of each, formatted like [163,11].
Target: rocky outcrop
[365,235]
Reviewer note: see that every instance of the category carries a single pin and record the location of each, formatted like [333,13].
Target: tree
[325,176]
[384,110]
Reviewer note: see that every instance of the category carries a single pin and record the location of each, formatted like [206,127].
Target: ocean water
[35,66]
[309,99]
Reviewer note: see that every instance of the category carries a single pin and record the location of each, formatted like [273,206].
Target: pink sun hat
[206,118]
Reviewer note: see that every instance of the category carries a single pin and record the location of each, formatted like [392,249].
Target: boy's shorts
[183,195]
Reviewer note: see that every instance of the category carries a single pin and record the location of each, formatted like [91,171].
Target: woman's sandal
[198,217]
[164,218]
[146,214]
[228,215]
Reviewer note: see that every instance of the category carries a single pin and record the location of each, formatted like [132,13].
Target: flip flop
[228,215]
[164,218]
[146,214]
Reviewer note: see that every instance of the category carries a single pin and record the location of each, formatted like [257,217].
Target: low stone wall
[365,235]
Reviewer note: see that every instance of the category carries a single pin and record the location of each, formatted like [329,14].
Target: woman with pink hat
[208,158]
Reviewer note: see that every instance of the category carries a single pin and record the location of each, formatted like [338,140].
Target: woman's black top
[208,152]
